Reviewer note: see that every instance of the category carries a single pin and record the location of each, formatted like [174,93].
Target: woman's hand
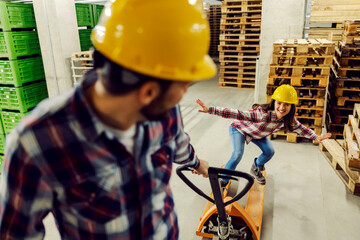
[319,139]
[205,109]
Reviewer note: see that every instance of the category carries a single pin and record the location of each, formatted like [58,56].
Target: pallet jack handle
[214,174]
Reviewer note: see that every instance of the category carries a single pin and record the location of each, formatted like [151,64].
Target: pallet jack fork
[224,217]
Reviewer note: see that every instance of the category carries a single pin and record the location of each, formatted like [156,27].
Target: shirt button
[167,156]
[92,195]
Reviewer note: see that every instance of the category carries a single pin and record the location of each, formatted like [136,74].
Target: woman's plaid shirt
[257,124]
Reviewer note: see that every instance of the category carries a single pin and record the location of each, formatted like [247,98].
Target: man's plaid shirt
[257,124]
[59,159]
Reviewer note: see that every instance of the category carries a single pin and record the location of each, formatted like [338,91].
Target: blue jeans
[238,143]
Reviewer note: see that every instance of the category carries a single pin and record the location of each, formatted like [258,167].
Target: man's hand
[319,139]
[203,168]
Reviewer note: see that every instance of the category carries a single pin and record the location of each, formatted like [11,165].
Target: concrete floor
[304,199]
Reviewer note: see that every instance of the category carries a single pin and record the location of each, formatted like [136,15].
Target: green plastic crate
[22,98]
[97,10]
[18,44]
[16,15]
[2,129]
[85,40]
[18,72]
[2,144]
[1,162]
[84,14]
[11,119]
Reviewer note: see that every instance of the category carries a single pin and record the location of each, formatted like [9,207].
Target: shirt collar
[90,124]
[274,117]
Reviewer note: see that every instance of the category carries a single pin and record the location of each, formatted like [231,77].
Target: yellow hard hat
[167,39]
[285,93]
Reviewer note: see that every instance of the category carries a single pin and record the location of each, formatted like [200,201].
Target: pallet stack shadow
[344,155]
[22,84]
[344,90]
[239,42]
[214,16]
[304,64]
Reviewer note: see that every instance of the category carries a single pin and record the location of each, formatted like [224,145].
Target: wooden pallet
[348,71]
[226,84]
[347,101]
[299,82]
[290,136]
[336,156]
[299,71]
[307,80]
[239,36]
[352,27]
[352,137]
[311,59]
[344,82]
[237,63]
[350,39]
[249,79]
[227,28]
[349,50]
[237,60]
[240,31]
[304,46]
[250,49]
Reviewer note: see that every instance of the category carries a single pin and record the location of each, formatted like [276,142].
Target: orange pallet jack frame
[224,217]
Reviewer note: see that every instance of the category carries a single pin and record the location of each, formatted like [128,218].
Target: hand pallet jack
[223,217]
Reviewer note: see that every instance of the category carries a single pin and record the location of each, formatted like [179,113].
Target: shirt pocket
[97,198]
[162,161]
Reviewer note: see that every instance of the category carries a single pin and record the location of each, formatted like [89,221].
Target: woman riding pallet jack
[223,215]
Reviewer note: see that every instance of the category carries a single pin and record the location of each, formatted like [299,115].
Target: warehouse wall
[281,19]
[59,38]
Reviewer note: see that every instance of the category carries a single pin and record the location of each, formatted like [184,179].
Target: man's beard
[154,111]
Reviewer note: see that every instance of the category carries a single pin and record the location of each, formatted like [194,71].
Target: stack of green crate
[22,84]
[87,17]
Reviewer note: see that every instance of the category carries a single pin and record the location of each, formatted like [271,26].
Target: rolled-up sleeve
[304,131]
[251,115]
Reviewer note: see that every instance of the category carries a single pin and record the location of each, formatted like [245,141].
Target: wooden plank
[335,150]
[337,8]
[351,146]
[356,112]
[338,164]
[354,133]
[334,2]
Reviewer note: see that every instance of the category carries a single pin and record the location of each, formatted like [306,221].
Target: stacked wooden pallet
[345,79]
[335,153]
[327,17]
[214,16]
[344,155]
[81,62]
[304,64]
[239,42]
